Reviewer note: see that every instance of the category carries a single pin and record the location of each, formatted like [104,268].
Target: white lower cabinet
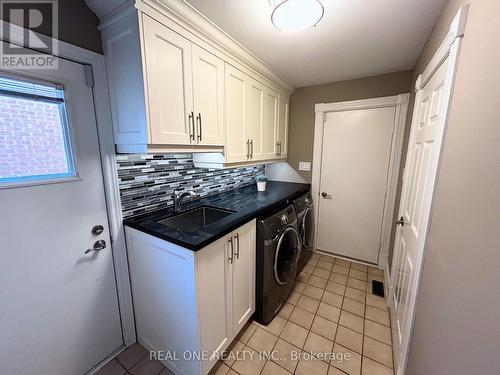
[187,303]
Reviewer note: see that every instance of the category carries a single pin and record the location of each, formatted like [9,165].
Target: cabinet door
[269,124]
[253,117]
[243,275]
[282,134]
[168,84]
[236,146]
[214,287]
[208,91]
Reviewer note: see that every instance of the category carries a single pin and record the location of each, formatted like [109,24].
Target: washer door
[285,256]
[307,228]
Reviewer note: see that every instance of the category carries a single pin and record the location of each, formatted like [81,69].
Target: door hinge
[89,75]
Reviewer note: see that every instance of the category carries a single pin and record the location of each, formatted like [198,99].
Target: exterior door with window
[58,298]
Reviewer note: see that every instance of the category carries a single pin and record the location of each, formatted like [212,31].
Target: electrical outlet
[304,166]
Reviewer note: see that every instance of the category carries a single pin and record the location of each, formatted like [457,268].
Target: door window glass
[34,137]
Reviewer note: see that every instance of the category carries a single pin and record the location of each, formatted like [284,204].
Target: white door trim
[400,102]
[108,162]
[449,48]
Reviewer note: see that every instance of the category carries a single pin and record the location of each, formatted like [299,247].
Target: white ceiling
[355,38]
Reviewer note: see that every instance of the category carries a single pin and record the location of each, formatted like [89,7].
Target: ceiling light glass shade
[295,15]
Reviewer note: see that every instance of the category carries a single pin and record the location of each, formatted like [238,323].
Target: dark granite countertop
[247,204]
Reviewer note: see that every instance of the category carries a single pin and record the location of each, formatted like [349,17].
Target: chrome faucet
[179,196]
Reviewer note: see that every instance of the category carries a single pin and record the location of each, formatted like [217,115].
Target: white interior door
[424,149]
[58,305]
[354,167]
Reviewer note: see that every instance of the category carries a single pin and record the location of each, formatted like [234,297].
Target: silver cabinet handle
[251,148]
[248,149]
[191,126]
[326,196]
[230,240]
[98,246]
[279,143]
[277,149]
[198,121]
[237,254]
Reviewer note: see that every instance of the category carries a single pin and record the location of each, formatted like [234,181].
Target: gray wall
[457,324]
[302,101]
[78,25]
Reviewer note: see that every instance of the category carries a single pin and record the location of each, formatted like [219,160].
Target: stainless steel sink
[196,219]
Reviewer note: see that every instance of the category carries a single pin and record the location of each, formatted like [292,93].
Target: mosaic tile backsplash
[147,181]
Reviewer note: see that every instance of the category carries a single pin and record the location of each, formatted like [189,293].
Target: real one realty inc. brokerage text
[188,355]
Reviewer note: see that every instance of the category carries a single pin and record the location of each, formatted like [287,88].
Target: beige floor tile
[377,315]
[286,311]
[343,262]
[112,368]
[313,262]
[299,287]
[146,367]
[308,303]
[325,265]
[375,271]
[334,287]
[311,366]
[313,292]
[249,362]
[232,372]
[328,312]
[262,340]
[359,267]
[354,307]
[219,369]
[318,345]
[293,298]
[356,284]
[335,371]
[276,325]
[302,317]
[130,356]
[352,365]
[166,371]
[232,352]
[377,351]
[320,272]
[332,299]
[294,334]
[337,277]
[308,268]
[327,258]
[247,332]
[324,327]
[376,301]
[351,321]
[378,331]
[349,339]
[317,281]
[286,355]
[303,276]
[358,274]
[272,368]
[355,294]
[340,269]
[373,368]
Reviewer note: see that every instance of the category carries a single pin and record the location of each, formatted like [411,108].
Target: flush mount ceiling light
[295,15]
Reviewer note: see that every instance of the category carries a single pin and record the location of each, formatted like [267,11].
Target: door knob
[98,246]
[326,196]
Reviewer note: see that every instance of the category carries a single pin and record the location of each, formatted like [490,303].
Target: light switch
[304,166]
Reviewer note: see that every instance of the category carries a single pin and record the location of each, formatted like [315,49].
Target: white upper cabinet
[269,124]
[169,79]
[174,89]
[208,91]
